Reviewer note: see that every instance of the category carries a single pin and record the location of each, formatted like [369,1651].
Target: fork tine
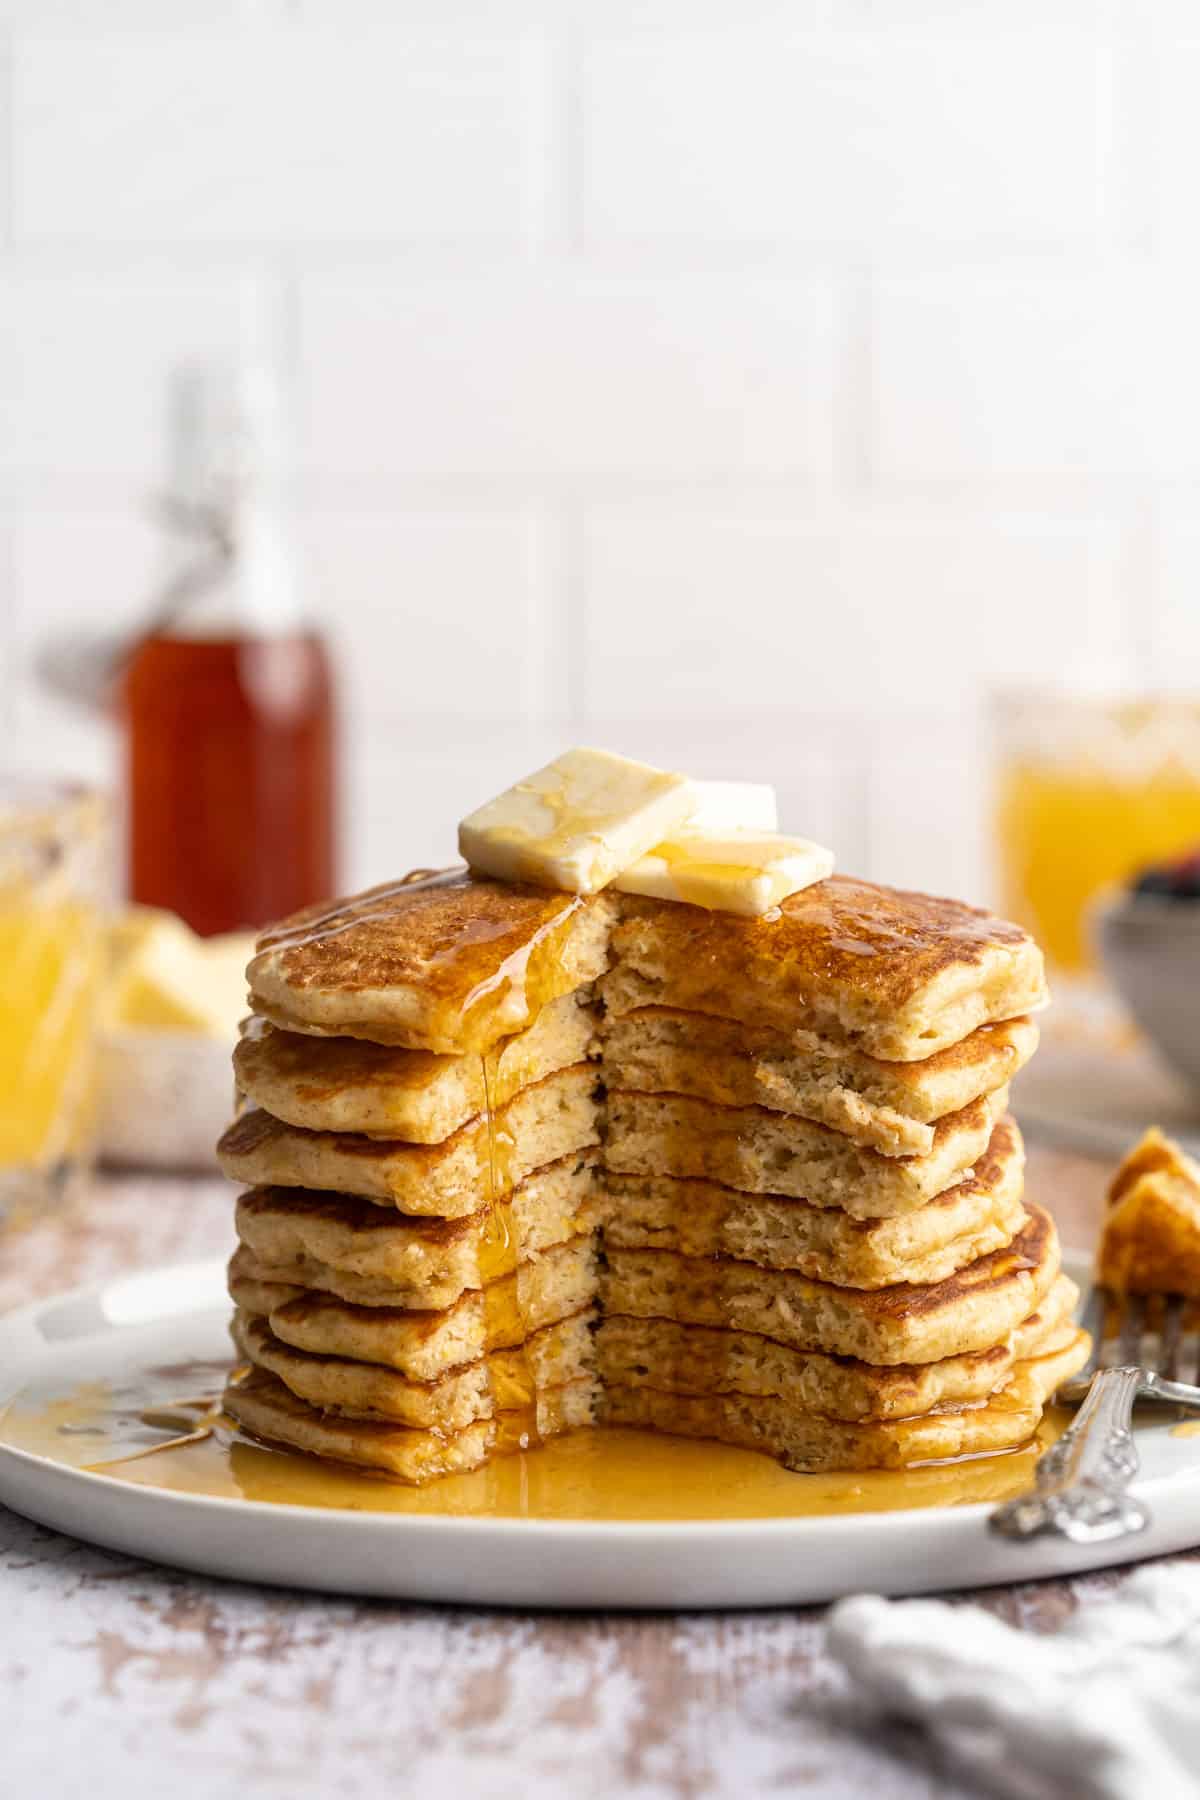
[1172,1331]
[1092,1319]
[1092,1322]
[1131,1317]
[1133,1326]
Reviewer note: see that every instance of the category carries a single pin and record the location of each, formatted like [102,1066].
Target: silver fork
[1081,1488]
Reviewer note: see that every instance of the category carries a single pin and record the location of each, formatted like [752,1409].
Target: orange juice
[50,956]
[52,855]
[1107,790]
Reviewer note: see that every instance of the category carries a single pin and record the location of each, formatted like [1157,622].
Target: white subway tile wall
[85,353]
[858,144]
[749,389]
[525,375]
[278,137]
[876,612]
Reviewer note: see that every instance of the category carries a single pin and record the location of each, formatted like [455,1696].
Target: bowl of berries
[1148,936]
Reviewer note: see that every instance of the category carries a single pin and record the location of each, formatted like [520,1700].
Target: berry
[1178,879]
[1155,883]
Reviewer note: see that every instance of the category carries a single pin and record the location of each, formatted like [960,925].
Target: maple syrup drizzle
[531,972]
[474,998]
[344,914]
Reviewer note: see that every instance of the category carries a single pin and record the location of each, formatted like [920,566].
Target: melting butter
[744,872]
[576,823]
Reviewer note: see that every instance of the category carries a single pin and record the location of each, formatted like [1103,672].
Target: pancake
[700,1359]
[500,1382]
[1150,1243]
[377,1257]
[422,1345]
[775,1153]
[971,1310]
[812,1443]
[439,961]
[450,962]
[265,1408]
[545,1122]
[891,1107]
[703,1218]
[897,975]
[346,1084]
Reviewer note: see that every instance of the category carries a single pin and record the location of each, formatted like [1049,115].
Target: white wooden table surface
[118,1678]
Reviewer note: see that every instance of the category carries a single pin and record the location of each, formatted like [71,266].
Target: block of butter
[578,822]
[746,872]
[165,978]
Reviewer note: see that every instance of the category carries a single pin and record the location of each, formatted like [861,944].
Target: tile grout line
[8,171]
[569,129]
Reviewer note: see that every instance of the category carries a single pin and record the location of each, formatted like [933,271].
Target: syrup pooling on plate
[167,1405]
[601,1474]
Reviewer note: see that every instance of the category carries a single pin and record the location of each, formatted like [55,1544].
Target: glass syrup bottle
[227,698]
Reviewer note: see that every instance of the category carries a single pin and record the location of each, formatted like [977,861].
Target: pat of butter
[576,823]
[221,966]
[734,806]
[746,872]
[166,978]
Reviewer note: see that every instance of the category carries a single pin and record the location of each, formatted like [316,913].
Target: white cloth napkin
[1107,1708]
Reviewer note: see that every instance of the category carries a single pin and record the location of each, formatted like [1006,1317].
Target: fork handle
[1080,1490]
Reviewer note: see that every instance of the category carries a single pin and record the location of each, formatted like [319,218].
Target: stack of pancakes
[520,1162]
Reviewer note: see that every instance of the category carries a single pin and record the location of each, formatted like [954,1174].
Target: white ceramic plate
[115,1331]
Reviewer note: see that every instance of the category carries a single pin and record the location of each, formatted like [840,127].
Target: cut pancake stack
[520,1162]
[416,1279]
[815,1237]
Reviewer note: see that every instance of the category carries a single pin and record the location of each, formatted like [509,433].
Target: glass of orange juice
[53,880]
[1089,789]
